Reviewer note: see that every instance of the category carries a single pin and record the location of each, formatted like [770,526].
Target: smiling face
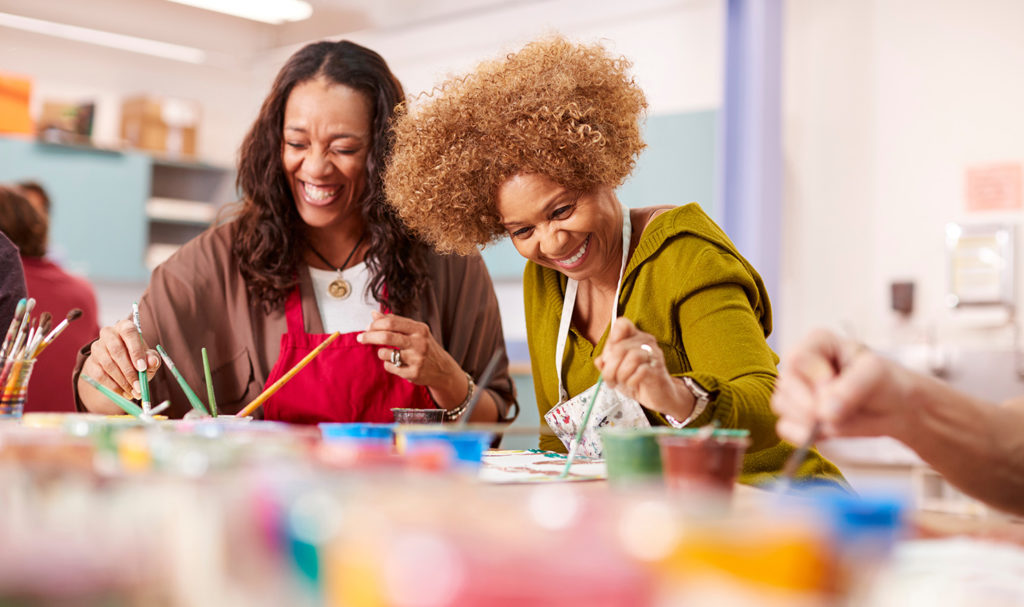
[326,139]
[580,235]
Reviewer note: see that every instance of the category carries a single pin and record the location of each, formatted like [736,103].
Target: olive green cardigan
[688,286]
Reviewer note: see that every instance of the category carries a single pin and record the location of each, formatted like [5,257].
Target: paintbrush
[143,375]
[259,400]
[189,394]
[478,392]
[19,340]
[583,425]
[126,405]
[796,458]
[35,344]
[209,384]
[73,315]
[12,330]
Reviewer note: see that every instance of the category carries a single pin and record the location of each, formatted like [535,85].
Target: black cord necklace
[339,287]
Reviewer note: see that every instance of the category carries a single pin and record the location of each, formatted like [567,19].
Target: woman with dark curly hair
[315,250]
[657,299]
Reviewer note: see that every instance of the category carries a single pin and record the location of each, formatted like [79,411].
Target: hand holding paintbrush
[115,360]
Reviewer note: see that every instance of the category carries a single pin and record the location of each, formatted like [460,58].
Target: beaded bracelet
[453,414]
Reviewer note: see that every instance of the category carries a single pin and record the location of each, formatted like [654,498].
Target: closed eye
[522,232]
[562,212]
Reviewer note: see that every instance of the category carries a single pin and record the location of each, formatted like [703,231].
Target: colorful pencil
[143,375]
[126,405]
[583,425]
[209,384]
[192,398]
[259,400]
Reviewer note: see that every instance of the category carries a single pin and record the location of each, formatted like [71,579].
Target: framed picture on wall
[981,264]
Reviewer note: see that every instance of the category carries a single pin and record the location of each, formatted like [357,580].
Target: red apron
[344,383]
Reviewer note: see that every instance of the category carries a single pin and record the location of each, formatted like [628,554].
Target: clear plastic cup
[15,392]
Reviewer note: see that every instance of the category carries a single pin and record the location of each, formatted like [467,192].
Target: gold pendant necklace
[339,287]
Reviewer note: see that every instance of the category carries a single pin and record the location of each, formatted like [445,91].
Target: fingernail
[136,387]
[359,338]
[140,365]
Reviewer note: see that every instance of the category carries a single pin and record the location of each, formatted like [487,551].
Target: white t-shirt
[345,315]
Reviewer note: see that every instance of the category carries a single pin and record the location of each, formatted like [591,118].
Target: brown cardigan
[197,299]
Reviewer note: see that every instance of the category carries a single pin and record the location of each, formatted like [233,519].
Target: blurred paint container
[418,416]
[632,455]
[694,462]
[359,430]
[467,446]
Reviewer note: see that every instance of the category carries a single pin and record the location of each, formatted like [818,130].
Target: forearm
[455,390]
[976,445]
[742,402]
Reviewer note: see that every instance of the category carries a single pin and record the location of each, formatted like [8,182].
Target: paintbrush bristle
[74,314]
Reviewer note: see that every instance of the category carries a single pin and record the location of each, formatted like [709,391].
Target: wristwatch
[701,399]
[453,414]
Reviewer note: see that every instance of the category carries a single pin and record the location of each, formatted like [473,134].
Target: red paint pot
[693,462]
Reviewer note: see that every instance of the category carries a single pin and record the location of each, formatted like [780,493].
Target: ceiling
[167,21]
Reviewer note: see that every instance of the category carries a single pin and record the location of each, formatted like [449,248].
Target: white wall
[64,70]
[885,105]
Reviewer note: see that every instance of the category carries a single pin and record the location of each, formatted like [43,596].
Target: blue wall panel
[98,217]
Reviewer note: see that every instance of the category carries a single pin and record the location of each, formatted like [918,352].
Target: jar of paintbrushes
[25,340]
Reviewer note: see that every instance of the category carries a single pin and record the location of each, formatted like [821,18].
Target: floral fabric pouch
[612,410]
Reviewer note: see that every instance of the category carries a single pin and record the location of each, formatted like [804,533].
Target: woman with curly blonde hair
[657,300]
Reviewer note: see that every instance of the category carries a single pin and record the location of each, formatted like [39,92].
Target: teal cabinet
[98,216]
[99,223]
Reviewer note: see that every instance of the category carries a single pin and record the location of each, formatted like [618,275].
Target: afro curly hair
[570,112]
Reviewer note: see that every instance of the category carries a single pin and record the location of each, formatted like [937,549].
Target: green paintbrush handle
[209,383]
[128,406]
[192,398]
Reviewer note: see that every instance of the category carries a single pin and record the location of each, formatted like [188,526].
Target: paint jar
[418,416]
[12,401]
[330,430]
[692,461]
[467,446]
[632,455]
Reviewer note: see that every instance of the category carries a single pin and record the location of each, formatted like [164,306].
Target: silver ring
[650,353]
[396,358]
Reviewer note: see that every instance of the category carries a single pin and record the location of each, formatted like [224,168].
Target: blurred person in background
[12,281]
[836,387]
[56,292]
[34,192]
[315,250]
